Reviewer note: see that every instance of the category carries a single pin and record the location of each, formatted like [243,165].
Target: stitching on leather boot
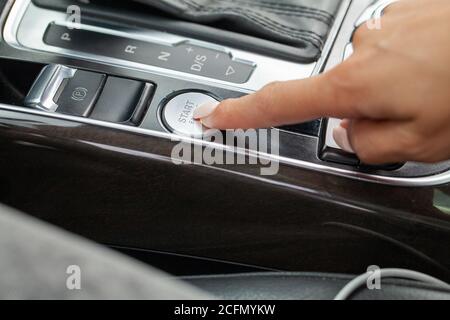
[291,10]
[299,34]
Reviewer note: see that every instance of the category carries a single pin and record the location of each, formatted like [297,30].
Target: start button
[177,113]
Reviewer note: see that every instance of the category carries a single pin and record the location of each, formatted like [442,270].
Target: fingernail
[204,110]
[340,135]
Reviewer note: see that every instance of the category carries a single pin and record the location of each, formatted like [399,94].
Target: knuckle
[224,106]
[344,84]
[418,150]
[407,145]
[368,145]
[401,143]
[367,154]
[266,98]
[360,34]
[360,144]
[225,110]
[412,144]
[269,91]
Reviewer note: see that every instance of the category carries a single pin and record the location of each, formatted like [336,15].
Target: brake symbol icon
[79,94]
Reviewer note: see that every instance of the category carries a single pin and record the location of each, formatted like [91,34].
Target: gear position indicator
[184,57]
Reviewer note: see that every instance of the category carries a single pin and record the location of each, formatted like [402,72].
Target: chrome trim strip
[375,11]
[438,179]
[345,6]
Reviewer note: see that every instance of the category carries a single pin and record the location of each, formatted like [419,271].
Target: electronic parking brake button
[178,111]
[80,93]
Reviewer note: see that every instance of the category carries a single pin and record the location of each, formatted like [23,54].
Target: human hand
[394,91]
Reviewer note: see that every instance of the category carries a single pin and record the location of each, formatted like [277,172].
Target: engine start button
[177,113]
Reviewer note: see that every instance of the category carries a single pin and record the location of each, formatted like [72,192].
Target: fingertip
[228,114]
[205,110]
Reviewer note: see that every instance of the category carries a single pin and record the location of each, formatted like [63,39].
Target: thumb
[280,103]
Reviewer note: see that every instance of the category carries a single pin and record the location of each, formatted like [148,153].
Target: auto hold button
[178,111]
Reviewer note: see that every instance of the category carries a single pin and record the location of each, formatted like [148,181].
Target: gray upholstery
[34,258]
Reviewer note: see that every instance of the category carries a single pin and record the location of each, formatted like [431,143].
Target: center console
[107,99]
[180,73]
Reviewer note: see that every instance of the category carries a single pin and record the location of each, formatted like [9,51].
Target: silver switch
[177,113]
[43,92]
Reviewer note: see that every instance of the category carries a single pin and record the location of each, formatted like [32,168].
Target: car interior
[94,97]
